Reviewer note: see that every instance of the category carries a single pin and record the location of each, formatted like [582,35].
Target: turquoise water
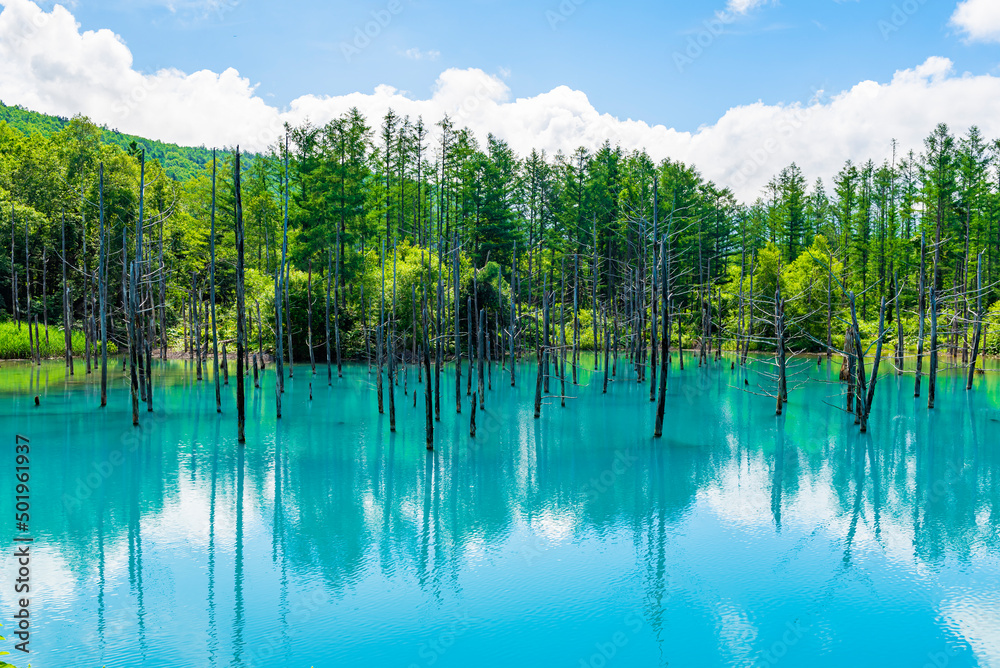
[739,539]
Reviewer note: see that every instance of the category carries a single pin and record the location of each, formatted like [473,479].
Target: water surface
[738,539]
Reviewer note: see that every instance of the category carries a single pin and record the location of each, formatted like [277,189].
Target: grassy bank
[15,344]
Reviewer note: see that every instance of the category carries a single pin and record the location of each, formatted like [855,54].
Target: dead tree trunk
[472,419]
[829,307]
[513,321]
[922,307]
[391,350]
[471,317]
[196,296]
[458,330]
[607,350]
[899,325]
[861,400]
[932,376]
[13,270]
[279,338]
[215,329]
[438,343]
[309,297]
[103,291]
[428,392]
[329,279]
[288,320]
[779,328]
[480,356]
[540,355]
[979,321]
[240,311]
[133,346]
[336,316]
[67,326]
[849,350]
[576,319]
[379,331]
[874,377]
[665,343]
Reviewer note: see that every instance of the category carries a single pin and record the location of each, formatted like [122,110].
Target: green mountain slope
[180,162]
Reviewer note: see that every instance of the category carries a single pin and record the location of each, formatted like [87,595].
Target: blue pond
[578,540]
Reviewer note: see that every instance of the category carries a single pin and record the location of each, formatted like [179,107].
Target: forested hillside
[361,187]
[179,162]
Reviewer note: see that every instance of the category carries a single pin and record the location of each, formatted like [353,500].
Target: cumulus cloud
[978,19]
[48,64]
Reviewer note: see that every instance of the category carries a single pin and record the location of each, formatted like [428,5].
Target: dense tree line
[401,196]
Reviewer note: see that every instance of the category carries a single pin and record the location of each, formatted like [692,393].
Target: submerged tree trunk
[133,346]
[779,328]
[979,321]
[288,320]
[240,311]
[899,325]
[932,376]
[336,316]
[576,318]
[326,321]
[860,401]
[13,270]
[196,297]
[391,348]
[472,320]
[538,378]
[607,350]
[215,330]
[103,293]
[922,306]
[379,330]
[438,342]
[67,326]
[849,350]
[309,297]
[279,338]
[480,338]
[665,343]
[428,398]
[874,377]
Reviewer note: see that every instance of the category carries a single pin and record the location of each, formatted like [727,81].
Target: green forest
[379,211]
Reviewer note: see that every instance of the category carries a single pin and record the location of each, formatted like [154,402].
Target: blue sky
[739,88]
[621,54]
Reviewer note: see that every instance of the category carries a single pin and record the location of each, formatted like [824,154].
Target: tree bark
[240,310]
[979,321]
[932,376]
[215,330]
[103,292]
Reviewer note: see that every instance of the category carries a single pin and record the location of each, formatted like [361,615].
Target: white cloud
[417,54]
[200,9]
[979,19]
[48,64]
[744,6]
